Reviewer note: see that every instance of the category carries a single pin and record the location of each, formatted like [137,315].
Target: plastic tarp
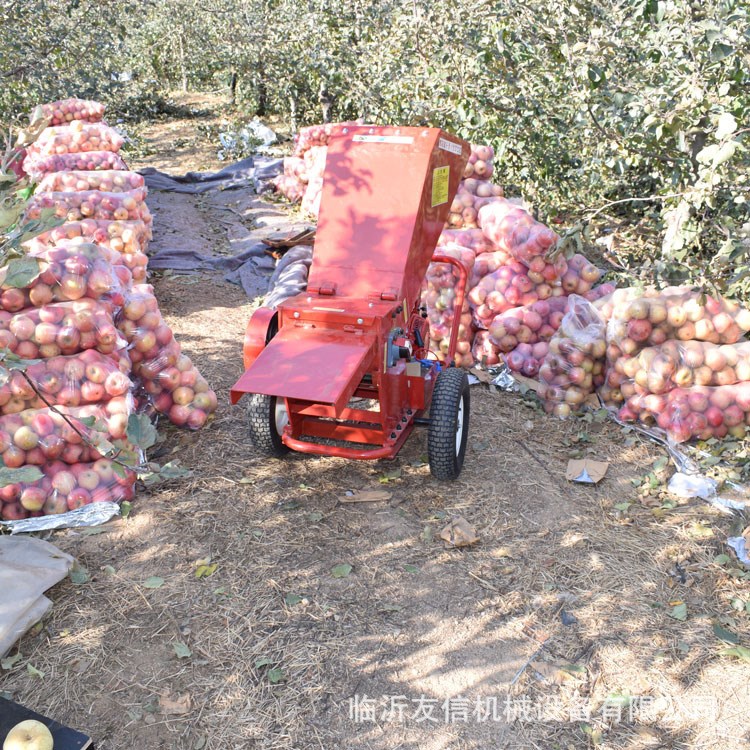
[252,172]
[28,567]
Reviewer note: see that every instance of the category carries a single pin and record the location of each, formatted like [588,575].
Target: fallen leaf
[9,661]
[34,672]
[204,569]
[79,575]
[411,568]
[276,675]
[740,652]
[182,650]
[264,661]
[125,508]
[725,635]
[176,706]
[366,496]
[341,571]
[153,582]
[679,612]
[291,599]
[459,533]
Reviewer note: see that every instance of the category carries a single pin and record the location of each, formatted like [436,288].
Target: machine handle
[458,300]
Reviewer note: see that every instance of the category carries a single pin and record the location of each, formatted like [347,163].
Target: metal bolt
[360,321]
[393,436]
[398,427]
[346,130]
[309,299]
[296,315]
[371,304]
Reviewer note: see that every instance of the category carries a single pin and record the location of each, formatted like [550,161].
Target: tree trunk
[233,88]
[182,64]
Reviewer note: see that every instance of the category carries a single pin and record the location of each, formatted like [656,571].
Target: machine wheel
[267,417]
[449,424]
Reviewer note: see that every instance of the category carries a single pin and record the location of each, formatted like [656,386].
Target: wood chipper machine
[343,369]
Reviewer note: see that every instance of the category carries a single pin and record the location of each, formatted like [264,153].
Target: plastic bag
[75,138]
[69,434]
[92,204]
[64,487]
[38,165]
[67,273]
[171,380]
[574,366]
[438,295]
[67,110]
[60,328]
[105,180]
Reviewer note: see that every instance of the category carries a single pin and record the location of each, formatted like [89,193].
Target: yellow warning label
[440,177]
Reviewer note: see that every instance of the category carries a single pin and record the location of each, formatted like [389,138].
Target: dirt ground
[563,627]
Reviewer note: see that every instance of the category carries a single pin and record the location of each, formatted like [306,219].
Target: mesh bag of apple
[60,328]
[66,110]
[106,180]
[574,366]
[474,190]
[472,238]
[64,274]
[63,487]
[37,165]
[78,434]
[315,161]
[88,377]
[291,188]
[78,137]
[438,296]
[641,318]
[688,388]
[173,385]
[127,240]
[92,204]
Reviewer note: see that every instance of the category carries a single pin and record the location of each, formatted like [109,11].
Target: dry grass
[565,601]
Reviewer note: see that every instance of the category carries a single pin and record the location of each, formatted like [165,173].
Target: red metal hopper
[358,332]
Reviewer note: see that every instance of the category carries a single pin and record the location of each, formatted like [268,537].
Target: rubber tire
[451,387]
[261,413]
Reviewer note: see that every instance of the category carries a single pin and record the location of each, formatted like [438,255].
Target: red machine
[358,334]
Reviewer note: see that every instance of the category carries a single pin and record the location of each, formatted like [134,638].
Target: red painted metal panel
[309,364]
[386,195]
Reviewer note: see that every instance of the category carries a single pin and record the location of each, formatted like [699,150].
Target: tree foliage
[586,103]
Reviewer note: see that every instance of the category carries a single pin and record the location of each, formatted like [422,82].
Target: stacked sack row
[302,176]
[97,347]
[517,296]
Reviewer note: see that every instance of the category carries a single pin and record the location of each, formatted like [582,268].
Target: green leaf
[22,475]
[205,570]
[276,675]
[79,575]
[182,650]
[264,661]
[341,571]
[34,672]
[739,652]
[722,559]
[10,661]
[622,506]
[153,582]
[411,568]
[21,272]
[141,432]
[725,153]
[679,612]
[726,126]
[725,635]
[291,599]
[170,470]
[125,507]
